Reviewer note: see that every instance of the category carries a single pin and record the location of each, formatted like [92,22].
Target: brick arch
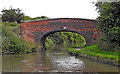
[37,29]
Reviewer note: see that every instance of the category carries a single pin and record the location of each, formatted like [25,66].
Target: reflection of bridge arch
[38,30]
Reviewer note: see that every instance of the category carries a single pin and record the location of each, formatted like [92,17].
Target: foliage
[12,15]
[27,18]
[74,39]
[109,23]
[13,24]
[0,18]
[49,42]
[107,46]
[0,36]
[15,15]
[11,44]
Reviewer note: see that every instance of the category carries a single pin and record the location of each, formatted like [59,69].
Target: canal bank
[93,53]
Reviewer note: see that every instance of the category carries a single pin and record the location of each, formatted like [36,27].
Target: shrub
[12,24]
[13,45]
[106,46]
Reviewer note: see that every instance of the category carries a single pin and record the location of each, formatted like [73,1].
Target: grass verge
[94,50]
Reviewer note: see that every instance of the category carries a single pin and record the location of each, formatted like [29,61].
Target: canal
[54,59]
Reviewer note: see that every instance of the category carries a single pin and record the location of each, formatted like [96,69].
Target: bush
[106,46]
[11,44]
[109,25]
[12,24]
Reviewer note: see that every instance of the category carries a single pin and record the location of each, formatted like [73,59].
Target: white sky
[54,8]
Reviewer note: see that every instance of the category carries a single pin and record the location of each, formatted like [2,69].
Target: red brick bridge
[38,30]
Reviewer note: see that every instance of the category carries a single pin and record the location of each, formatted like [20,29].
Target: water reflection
[94,66]
[26,63]
[67,64]
[37,62]
[62,61]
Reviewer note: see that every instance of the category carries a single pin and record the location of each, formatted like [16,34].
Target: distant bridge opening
[72,38]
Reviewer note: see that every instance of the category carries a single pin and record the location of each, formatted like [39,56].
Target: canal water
[54,59]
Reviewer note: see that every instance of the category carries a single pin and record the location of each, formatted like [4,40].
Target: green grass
[94,50]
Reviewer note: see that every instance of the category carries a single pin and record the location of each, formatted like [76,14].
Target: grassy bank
[94,50]
[13,44]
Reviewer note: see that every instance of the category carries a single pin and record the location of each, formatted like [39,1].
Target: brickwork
[38,30]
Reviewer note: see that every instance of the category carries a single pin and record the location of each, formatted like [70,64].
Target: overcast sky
[54,8]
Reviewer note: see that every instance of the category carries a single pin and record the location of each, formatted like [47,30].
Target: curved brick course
[38,30]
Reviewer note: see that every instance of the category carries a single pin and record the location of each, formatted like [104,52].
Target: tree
[27,18]
[0,17]
[12,15]
[109,23]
